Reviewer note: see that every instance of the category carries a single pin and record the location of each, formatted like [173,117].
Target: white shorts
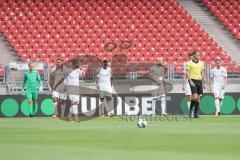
[74,98]
[59,95]
[218,92]
[188,91]
[105,91]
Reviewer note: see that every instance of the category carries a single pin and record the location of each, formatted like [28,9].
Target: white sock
[55,107]
[75,109]
[220,106]
[154,106]
[188,104]
[71,109]
[101,108]
[163,105]
[217,104]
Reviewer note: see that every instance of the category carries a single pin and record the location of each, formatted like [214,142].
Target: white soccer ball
[142,123]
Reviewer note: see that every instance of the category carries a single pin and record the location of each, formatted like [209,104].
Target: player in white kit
[218,82]
[104,86]
[72,86]
[186,86]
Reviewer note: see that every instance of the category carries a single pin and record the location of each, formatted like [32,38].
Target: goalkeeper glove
[40,89]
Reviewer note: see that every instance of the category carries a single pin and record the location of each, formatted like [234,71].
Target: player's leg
[188,93]
[109,104]
[62,98]
[102,96]
[154,101]
[63,106]
[194,98]
[34,99]
[216,92]
[221,98]
[73,112]
[217,105]
[55,103]
[197,101]
[156,96]
[75,108]
[163,105]
[30,102]
[30,106]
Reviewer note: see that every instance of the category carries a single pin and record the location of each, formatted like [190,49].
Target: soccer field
[107,138]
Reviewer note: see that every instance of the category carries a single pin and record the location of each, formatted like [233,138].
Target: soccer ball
[142,123]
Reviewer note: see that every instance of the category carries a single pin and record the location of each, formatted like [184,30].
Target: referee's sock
[191,107]
[196,109]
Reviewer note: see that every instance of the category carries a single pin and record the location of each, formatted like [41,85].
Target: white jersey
[73,77]
[218,76]
[104,76]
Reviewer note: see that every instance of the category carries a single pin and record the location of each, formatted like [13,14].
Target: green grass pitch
[107,138]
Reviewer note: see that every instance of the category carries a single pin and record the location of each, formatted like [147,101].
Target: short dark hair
[75,61]
[104,61]
[194,53]
[59,59]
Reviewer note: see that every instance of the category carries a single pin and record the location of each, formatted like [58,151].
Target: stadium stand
[42,31]
[227,12]
[1,73]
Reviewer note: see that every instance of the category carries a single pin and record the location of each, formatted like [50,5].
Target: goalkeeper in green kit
[30,83]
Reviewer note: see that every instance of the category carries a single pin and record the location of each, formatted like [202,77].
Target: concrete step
[213,27]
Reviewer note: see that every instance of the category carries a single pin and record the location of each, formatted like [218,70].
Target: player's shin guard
[217,104]
[163,105]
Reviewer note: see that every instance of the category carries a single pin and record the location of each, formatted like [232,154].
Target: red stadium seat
[154,29]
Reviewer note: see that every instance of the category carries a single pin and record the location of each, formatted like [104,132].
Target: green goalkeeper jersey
[30,80]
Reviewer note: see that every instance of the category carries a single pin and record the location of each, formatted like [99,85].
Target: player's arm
[211,80]
[152,78]
[165,68]
[66,73]
[203,75]
[111,78]
[210,83]
[184,80]
[24,80]
[59,82]
[189,77]
[39,82]
[97,78]
[225,80]
[52,80]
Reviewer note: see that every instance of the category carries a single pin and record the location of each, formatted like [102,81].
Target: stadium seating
[1,72]
[48,29]
[227,12]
